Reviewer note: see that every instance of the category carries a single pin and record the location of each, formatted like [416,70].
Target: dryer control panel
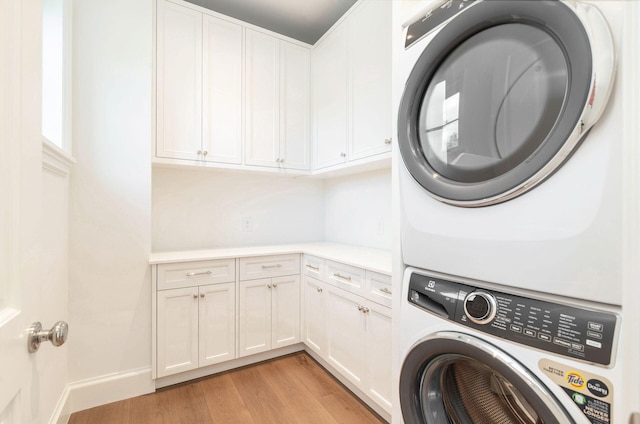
[566,330]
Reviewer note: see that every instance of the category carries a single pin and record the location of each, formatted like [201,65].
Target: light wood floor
[293,389]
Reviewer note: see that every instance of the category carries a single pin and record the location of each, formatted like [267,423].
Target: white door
[294,106]
[179,82]
[285,311]
[20,206]
[217,323]
[254,316]
[221,91]
[330,100]
[378,356]
[370,54]
[177,330]
[314,313]
[262,98]
[346,333]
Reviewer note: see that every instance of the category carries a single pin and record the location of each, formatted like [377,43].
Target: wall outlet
[247,224]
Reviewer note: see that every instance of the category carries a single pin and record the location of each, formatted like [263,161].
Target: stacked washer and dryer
[510,190]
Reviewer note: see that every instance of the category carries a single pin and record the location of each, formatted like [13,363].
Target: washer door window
[494,103]
[456,378]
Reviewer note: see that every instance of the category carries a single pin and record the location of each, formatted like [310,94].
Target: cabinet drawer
[269,266]
[314,267]
[378,288]
[185,274]
[346,277]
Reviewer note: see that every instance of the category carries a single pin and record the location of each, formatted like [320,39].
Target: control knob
[480,307]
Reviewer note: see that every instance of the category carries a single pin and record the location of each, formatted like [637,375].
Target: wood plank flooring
[292,389]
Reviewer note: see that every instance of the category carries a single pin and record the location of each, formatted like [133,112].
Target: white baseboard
[226,366]
[98,391]
[63,409]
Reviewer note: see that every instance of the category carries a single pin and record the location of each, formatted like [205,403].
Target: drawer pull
[342,277]
[191,274]
[315,268]
[319,290]
[385,290]
[271,266]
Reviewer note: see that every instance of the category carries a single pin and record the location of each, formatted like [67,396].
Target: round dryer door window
[498,100]
[457,378]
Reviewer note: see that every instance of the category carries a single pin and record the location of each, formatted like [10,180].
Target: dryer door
[452,377]
[500,97]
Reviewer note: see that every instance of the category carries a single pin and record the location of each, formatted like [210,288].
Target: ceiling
[304,20]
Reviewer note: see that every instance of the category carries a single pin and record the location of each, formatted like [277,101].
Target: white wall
[110,202]
[196,209]
[358,209]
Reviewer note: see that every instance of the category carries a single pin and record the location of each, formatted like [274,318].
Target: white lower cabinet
[269,314]
[352,334]
[195,327]
[313,331]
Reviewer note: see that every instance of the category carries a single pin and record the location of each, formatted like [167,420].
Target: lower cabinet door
[285,311]
[345,328]
[313,334]
[217,323]
[177,330]
[254,316]
[378,356]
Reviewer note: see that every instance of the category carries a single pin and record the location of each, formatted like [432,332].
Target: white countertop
[377,260]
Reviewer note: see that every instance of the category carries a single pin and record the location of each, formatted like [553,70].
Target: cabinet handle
[274,285]
[271,266]
[199,152]
[191,274]
[343,154]
[385,290]
[342,277]
[268,286]
[360,308]
[387,141]
[315,268]
[195,296]
[365,310]
[201,294]
[319,290]
[206,152]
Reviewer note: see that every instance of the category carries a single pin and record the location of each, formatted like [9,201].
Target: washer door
[497,100]
[456,378]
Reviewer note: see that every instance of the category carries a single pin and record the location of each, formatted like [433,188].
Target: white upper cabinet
[370,77]
[262,101]
[179,82]
[330,99]
[294,106]
[276,102]
[352,87]
[222,91]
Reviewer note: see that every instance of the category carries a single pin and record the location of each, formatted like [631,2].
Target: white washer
[510,134]
[523,360]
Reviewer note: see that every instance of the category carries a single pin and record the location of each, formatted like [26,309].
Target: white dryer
[510,134]
[474,354]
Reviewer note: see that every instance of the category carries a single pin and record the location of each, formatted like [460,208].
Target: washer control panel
[566,330]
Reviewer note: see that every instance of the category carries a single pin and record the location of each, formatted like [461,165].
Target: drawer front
[346,277]
[379,288]
[314,267]
[186,274]
[269,266]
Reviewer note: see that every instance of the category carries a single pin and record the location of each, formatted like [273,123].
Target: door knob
[57,335]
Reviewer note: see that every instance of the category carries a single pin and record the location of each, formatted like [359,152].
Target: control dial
[480,307]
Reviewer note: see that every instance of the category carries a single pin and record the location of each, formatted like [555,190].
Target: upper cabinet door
[370,55]
[179,82]
[222,91]
[294,109]
[330,99]
[262,84]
